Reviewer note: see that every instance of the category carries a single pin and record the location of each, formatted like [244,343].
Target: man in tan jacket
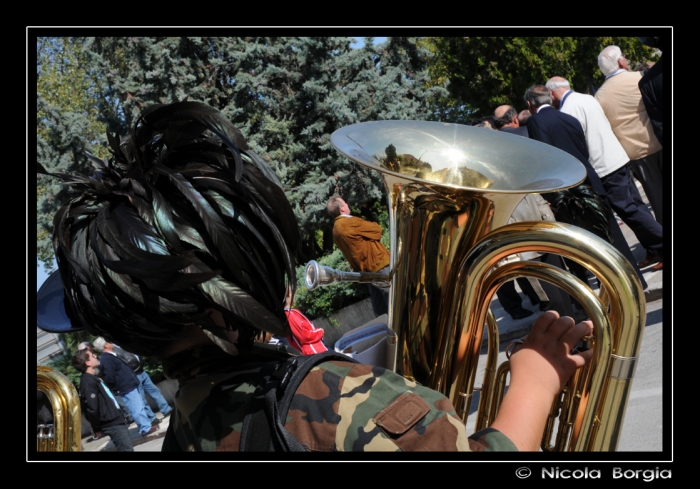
[360,242]
[622,103]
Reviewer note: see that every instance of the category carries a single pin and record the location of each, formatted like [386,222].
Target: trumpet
[451,189]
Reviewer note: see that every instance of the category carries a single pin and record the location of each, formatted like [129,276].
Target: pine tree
[287,95]
[68,124]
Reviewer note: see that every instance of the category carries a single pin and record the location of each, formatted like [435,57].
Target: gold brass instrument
[451,191]
[65,435]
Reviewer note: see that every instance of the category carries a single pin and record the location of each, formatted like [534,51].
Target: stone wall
[344,320]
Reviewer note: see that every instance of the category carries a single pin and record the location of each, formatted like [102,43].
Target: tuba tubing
[617,334]
[65,403]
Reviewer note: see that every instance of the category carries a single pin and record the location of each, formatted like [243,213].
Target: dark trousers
[119,434]
[509,297]
[625,200]
[379,297]
[649,172]
[559,300]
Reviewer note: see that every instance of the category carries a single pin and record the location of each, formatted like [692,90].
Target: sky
[360,41]
[41,275]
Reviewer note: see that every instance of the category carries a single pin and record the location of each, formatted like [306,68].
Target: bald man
[610,161]
[506,118]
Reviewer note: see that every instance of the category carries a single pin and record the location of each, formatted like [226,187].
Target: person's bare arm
[539,370]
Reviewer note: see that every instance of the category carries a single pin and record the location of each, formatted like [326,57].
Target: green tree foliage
[287,95]
[68,123]
[482,73]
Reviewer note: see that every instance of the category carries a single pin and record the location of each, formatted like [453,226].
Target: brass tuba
[64,435]
[451,191]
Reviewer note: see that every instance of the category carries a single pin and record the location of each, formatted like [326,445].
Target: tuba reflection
[451,191]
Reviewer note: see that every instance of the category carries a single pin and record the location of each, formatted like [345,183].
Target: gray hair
[607,59]
[523,116]
[99,344]
[556,85]
[538,95]
[333,206]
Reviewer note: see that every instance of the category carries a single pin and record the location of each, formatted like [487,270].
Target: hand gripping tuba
[451,191]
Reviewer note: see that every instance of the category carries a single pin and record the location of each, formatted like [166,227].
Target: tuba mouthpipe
[317,275]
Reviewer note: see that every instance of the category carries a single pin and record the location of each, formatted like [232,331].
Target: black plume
[181,219]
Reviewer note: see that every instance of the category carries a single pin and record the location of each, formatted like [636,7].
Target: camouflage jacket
[339,406]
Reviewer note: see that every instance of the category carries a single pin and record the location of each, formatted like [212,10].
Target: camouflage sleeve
[351,407]
[490,440]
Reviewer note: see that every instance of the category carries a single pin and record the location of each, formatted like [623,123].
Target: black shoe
[151,431]
[156,421]
[520,313]
[649,260]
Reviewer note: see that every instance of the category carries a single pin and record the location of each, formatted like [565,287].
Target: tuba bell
[451,189]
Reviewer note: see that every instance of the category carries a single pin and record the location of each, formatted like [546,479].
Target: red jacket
[305,337]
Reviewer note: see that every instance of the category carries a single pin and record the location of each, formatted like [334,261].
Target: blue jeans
[134,403]
[147,385]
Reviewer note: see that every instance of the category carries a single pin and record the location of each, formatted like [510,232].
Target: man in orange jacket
[360,242]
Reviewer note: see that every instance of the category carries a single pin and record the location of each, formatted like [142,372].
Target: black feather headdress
[181,219]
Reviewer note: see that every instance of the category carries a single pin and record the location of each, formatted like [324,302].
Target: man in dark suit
[550,126]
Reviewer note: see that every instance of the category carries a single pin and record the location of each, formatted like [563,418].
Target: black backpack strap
[263,426]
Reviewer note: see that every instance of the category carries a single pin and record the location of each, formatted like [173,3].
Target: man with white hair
[121,379]
[610,161]
[622,103]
